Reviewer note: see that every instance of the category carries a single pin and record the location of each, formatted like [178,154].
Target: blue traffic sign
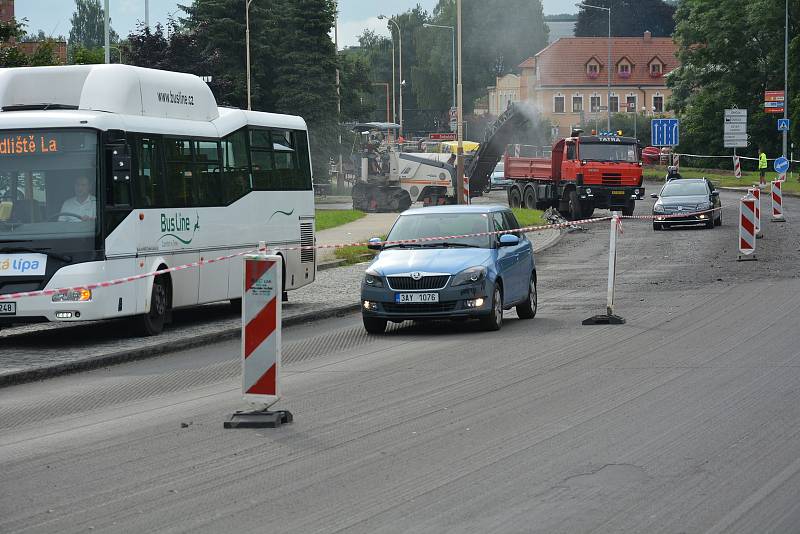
[781,165]
[664,132]
[783,125]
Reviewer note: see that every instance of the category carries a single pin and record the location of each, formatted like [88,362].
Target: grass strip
[332,218]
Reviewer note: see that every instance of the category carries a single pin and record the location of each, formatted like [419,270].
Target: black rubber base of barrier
[604,319]
[747,257]
[259,419]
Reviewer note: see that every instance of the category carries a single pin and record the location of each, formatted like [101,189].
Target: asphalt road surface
[685,419]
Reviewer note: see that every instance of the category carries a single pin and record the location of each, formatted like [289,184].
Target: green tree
[355,87]
[88,26]
[731,51]
[629,18]
[11,56]
[87,56]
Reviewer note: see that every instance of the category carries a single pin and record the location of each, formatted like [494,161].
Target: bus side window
[149,180]
[301,146]
[207,174]
[236,178]
[180,173]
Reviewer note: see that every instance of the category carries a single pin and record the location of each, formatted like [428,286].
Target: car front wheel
[527,310]
[494,320]
[374,325]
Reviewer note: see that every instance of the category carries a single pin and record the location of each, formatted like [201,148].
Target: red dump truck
[583,173]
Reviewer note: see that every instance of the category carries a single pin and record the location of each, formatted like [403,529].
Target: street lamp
[247,44]
[608,101]
[119,49]
[400,40]
[452,29]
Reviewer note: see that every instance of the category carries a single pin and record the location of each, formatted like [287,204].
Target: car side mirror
[375,243]
[653,195]
[509,240]
[715,193]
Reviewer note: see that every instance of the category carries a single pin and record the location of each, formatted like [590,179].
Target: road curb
[553,242]
[40,373]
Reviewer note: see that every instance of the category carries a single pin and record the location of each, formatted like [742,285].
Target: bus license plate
[8,308]
[618,192]
[416,298]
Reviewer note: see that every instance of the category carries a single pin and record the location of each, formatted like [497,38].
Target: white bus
[108,171]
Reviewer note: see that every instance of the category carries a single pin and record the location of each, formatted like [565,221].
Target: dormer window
[656,67]
[593,68]
[624,68]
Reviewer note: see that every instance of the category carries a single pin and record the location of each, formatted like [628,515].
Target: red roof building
[568,80]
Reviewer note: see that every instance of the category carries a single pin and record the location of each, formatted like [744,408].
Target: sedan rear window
[443,225]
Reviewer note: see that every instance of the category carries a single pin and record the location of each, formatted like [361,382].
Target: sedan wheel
[494,320]
[527,310]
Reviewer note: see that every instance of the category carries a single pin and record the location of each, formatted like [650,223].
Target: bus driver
[82,206]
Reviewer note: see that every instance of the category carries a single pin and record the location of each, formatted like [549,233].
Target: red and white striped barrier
[747,229]
[782,177]
[737,167]
[261,342]
[755,192]
[777,201]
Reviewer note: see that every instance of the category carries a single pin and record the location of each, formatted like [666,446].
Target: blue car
[461,278]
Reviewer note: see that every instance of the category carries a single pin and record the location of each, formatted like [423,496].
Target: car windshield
[684,189]
[48,182]
[425,225]
[608,152]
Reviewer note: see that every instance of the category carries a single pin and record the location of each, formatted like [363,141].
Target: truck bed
[526,168]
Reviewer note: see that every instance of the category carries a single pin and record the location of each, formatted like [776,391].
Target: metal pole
[394,86]
[608,98]
[786,77]
[612,263]
[339,173]
[460,123]
[107,31]
[147,14]
[454,66]
[247,38]
[400,59]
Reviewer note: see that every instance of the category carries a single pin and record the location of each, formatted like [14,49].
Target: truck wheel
[514,197]
[628,209]
[574,206]
[530,198]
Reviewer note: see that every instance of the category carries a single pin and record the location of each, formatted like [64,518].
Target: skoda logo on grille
[416,276]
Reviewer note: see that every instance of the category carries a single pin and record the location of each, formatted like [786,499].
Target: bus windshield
[48,184]
[608,152]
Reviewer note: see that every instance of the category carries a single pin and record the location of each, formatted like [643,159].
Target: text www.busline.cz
[175,98]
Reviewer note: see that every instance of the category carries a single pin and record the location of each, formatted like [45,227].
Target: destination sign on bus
[27,144]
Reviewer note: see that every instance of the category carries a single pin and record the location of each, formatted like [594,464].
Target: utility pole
[247,44]
[460,124]
[106,31]
[339,174]
[147,14]
[786,77]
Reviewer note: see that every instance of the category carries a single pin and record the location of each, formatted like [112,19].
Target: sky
[53,16]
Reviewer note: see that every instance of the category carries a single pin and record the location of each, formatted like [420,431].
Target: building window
[658,104]
[613,104]
[577,104]
[558,104]
[631,101]
[594,104]
[624,68]
[655,69]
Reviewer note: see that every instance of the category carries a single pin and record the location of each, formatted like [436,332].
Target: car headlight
[372,278]
[471,275]
[658,208]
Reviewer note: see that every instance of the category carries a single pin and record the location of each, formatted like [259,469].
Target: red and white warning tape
[128,279]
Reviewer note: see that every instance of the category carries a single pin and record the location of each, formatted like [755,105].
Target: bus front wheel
[152,322]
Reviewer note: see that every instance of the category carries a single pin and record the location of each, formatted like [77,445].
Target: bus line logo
[22,264]
[178,227]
